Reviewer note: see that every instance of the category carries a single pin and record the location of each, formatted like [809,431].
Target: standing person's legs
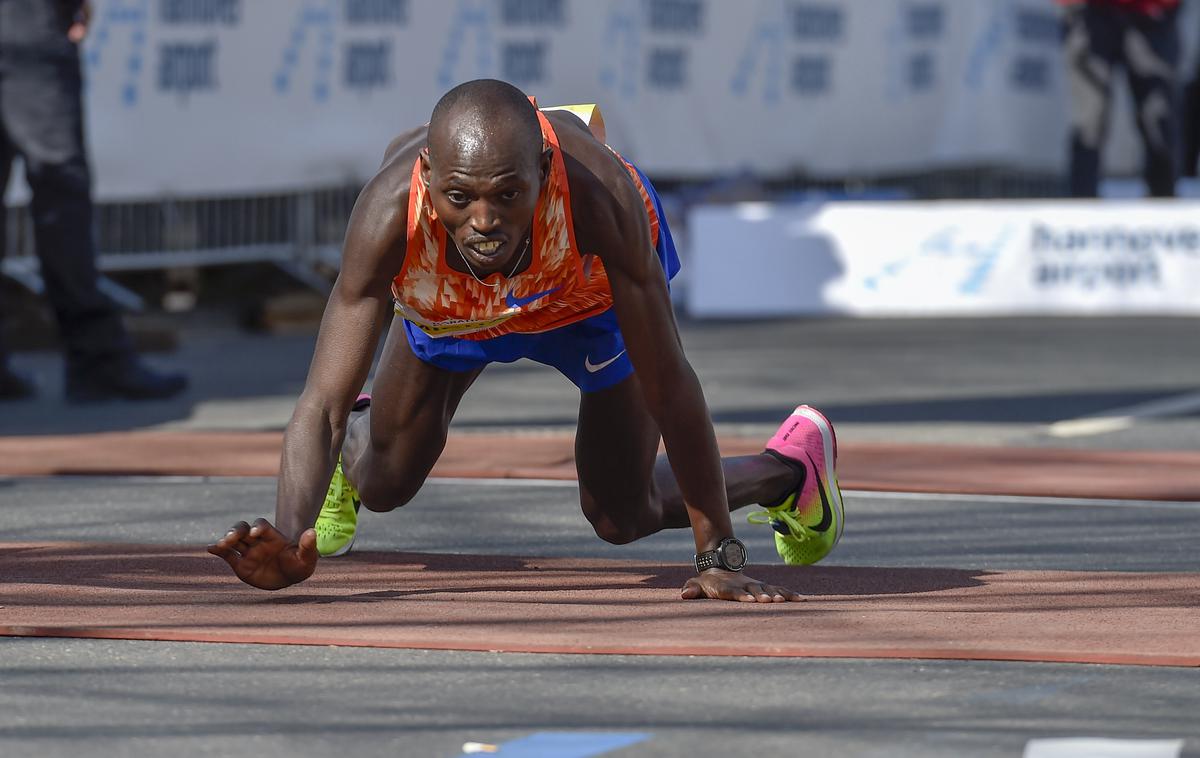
[41,110]
[1091,41]
[1191,126]
[1151,51]
[6,161]
[13,386]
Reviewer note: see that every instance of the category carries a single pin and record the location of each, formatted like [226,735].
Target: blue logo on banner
[183,65]
[366,64]
[317,18]
[978,256]
[816,28]
[1032,35]
[135,15]
[622,37]
[765,48]
[511,40]
[648,42]
[473,18]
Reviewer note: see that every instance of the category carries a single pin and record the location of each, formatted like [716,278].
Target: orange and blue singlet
[557,312]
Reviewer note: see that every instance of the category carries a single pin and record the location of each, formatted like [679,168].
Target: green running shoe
[338,521]
[808,520]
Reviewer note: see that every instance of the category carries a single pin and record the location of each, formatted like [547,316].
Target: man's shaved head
[481,111]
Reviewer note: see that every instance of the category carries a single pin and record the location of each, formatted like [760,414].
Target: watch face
[734,554]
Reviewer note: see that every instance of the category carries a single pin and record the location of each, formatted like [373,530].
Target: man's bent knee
[616,534]
[388,496]
[617,521]
[618,531]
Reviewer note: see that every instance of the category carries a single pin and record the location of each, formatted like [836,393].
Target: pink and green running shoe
[808,520]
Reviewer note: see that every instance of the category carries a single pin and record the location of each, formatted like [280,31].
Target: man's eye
[511,195]
[456,197]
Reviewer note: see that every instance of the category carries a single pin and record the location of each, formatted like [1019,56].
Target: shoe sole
[343,549]
[829,447]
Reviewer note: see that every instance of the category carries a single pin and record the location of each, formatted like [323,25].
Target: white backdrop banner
[944,258]
[195,97]
[213,97]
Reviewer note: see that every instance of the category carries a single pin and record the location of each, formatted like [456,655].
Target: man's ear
[544,165]
[426,167]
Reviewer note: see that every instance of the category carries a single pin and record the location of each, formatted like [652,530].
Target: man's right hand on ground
[263,557]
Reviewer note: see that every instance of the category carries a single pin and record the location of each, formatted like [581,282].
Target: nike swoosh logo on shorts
[594,367]
[826,511]
[512,301]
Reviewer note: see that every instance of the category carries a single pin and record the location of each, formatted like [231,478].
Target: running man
[499,232]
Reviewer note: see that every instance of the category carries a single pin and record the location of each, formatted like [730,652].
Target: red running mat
[465,602]
[1129,474]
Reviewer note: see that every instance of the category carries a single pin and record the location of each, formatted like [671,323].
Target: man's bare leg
[391,447]
[628,491]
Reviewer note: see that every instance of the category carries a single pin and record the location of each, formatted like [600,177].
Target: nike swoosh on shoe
[826,511]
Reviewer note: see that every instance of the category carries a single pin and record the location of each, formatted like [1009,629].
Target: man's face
[485,194]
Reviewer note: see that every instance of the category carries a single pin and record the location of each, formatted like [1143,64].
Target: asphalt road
[110,698]
[957,381]
[984,382]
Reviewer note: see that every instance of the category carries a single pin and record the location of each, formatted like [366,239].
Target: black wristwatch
[730,555]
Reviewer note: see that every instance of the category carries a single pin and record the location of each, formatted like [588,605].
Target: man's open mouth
[486,248]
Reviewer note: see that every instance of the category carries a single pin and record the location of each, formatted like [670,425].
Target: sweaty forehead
[469,137]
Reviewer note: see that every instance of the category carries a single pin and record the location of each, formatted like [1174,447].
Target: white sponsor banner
[1102,747]
[194,97]
[944,258]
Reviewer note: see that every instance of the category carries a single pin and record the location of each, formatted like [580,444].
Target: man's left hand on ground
[720,584]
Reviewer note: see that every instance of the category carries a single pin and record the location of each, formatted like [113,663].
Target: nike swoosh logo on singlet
[512,301]
[826,512]
[594,367]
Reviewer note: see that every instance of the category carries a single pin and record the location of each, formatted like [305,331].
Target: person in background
[41,121]
[1141,37]
[1191,124]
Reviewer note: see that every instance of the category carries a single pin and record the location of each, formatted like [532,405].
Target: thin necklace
[475,276]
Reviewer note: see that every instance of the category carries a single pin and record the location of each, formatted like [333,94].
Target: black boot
[124,377]
[15,386]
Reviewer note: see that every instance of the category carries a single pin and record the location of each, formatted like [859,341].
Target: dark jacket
[37,29]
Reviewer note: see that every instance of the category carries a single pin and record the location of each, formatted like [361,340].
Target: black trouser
[1191,125]
[1098,39]
[41,121]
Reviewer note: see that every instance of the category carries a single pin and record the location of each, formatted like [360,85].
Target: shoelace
[333,498]
[784,515]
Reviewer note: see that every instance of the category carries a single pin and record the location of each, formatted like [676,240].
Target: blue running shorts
[591,353]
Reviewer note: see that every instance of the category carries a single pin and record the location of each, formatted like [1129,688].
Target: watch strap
[706,560]
[715,558]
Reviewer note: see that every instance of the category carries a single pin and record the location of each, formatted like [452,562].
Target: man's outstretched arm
[671,390]
[271,556]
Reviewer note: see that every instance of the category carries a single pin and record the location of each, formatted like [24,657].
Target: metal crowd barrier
[300,232]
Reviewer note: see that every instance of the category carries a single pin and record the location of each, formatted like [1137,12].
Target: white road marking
[503,481]
[881,495]
[1117,419]
[1026,499]
[1094,747]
